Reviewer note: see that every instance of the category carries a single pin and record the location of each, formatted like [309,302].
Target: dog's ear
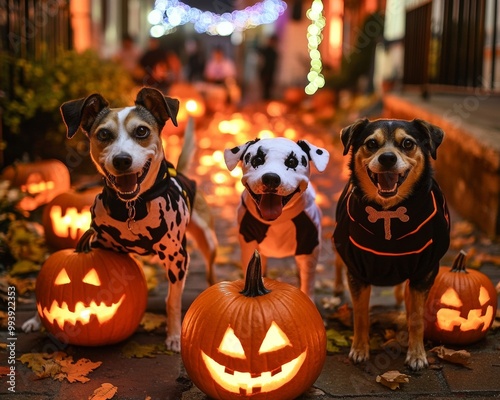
[233,156]
[434,135]
[161,107]
[318,155]
[348,133]
[82,112]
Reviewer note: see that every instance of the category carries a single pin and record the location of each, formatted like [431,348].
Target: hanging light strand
[173,13]
[315,78]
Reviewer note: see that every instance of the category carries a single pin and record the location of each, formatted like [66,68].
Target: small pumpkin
[461,305]
[254,337]
[41,181]
[67,217]
[90,297]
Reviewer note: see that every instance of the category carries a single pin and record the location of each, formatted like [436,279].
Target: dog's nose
[122,162]
[388,159]
[271,180]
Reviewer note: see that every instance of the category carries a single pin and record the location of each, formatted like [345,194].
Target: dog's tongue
[388,181]
[126,183]
[270,206]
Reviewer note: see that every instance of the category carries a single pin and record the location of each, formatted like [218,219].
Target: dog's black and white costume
[155,223]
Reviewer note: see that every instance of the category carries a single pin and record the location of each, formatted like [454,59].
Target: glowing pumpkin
[258,338]
[461,306]
[90,297]
[41,181]
[67,217]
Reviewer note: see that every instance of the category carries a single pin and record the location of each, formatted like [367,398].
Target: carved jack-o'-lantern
[41,181]
[67,217]
[461,305]
[258,338]
[90,297]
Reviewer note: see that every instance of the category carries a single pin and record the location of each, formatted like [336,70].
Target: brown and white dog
[278,214]
[392,222]
[147,206]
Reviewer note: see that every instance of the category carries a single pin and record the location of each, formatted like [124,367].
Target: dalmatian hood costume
[278,208]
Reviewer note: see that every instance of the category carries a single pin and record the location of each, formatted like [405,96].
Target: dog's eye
[257,160]
[141,132]
[103,135]
[408,144]
[371,144]
[291,161]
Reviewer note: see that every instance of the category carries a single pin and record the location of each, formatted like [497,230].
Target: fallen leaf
[135,350]
[151,321]
[104,392]
[22,285]
[336,338]
[76,372]
[392,379]
[59,366]
[23,267]
[461,357]
[4,370]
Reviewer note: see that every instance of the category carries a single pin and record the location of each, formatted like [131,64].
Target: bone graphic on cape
[374,216]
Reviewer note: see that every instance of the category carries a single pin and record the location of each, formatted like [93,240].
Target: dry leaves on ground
[151,321]
[461,357]
[59,366]
[392,379]
[135,350]
[104,392]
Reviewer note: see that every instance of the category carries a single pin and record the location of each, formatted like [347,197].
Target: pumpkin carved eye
[92,278]
[275,339]
[62,278]
[451,298]
[231,345]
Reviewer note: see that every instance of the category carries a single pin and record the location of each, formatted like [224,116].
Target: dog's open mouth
[271,205]
[128,186]
[387,183]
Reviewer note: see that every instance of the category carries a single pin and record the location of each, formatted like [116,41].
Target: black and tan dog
[147,206]
[392,222]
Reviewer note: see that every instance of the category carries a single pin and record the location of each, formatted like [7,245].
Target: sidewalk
[162,377]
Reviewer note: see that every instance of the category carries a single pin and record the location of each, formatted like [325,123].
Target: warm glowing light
[62,278]
[39,187]
[61,314]
[447,319]
[92,278]
[71,223]
[246,382]
[484,296]
[219,178]
[265,134]
[451,298]
[231,345]
[275,339]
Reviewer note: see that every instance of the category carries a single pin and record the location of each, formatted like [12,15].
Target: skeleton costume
[397,240]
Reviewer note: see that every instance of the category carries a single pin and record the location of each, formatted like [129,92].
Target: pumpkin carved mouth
[82,313]
[248,383]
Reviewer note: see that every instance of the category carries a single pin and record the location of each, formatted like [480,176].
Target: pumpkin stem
[254,285]
[459,263]
[83,245]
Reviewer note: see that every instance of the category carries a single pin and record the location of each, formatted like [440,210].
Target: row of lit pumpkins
[97,297]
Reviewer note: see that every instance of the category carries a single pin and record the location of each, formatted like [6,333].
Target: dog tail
[188,148]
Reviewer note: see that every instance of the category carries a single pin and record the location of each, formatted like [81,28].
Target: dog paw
[358,355]
[416,362]
[173,343]
[32,325]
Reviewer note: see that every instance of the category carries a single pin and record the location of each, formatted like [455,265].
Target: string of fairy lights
[315,78]
[169,14]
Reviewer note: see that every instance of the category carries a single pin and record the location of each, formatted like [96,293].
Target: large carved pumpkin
[41,181]
[90,297]
[461,305]
[67,217]
[258,338]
